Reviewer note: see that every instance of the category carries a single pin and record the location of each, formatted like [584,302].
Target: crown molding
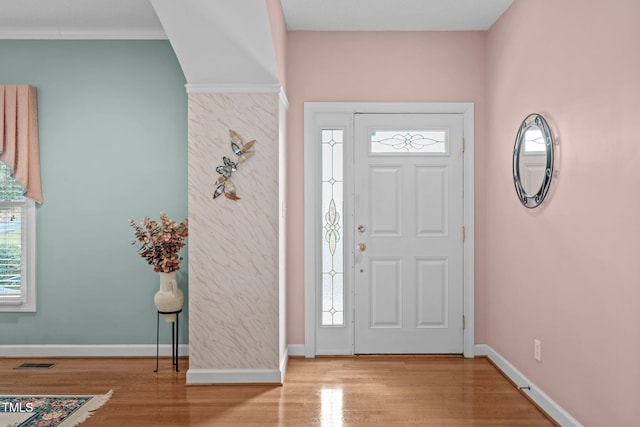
[81,34]
[233,88]
[240,88]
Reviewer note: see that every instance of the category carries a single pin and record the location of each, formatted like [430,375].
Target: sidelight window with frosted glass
[332,228]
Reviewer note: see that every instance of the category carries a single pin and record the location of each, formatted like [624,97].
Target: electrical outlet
[537,350]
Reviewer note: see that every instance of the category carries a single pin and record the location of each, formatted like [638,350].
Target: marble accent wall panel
[234,293]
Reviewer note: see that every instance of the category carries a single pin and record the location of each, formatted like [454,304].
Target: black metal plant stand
[174,338]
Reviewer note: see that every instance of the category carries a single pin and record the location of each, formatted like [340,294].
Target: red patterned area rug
[48,411]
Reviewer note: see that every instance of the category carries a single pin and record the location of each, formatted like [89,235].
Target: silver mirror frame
[533,200]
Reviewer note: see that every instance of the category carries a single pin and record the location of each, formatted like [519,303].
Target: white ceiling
[137,18]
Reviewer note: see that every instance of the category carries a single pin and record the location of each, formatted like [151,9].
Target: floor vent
[35,366]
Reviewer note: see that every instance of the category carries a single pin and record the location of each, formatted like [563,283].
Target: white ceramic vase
[169,297]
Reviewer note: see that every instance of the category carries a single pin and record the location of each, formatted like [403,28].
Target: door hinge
[463,145]
[464,233]
[464,322]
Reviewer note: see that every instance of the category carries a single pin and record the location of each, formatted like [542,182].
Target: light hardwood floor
[344,391]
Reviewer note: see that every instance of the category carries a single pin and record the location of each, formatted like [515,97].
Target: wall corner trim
[283,98]
[548,405]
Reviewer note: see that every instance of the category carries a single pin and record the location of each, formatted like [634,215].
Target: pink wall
[568,273]
[384,67]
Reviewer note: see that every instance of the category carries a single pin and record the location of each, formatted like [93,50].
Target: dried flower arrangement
[160,242]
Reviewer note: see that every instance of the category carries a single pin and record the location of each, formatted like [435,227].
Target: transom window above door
[433,141]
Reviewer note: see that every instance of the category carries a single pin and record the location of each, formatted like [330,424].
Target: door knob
[362,247]
[361,228]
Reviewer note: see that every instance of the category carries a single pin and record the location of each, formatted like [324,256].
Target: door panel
[431,199]
[409,266]
[432,291]
[385,195]
[386,293]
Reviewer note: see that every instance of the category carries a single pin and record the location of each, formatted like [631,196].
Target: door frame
[344,111]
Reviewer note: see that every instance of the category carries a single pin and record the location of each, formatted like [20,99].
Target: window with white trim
[17,246]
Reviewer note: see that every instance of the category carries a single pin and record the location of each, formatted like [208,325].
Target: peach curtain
[19,131]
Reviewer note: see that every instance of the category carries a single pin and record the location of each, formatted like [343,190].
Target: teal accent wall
[113,146]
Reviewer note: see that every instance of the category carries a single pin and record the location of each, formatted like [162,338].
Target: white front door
[408,219]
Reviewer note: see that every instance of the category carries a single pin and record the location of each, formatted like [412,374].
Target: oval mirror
[533,160]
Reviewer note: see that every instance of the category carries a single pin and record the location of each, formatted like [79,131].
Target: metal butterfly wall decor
[223,184]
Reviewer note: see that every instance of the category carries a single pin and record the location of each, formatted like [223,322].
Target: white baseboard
[234,376]
[239,376]
[296,350]
[547,404]
[108,350]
